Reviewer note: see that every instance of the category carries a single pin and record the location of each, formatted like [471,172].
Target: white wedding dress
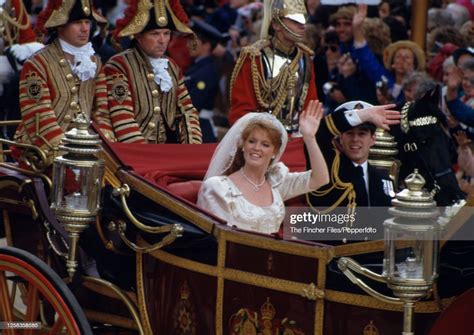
[221,197]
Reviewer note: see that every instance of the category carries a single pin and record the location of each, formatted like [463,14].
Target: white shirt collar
[162,76]
[82,66]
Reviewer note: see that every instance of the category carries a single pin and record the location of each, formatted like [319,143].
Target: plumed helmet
[278,9]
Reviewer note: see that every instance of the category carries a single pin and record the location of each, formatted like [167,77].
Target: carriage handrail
[32,156]
[27,172]
[346,265]
[7,123]
[176,230]
[123,192]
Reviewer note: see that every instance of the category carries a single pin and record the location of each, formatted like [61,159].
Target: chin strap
[297,37]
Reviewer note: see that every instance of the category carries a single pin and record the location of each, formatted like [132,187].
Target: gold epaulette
[305,48]
[255,49]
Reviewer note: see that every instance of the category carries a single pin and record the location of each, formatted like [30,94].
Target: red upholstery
[181,167]
[186,189]
[457,318]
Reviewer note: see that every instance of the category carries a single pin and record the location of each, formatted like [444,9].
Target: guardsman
[148,100]
[63,79]
[275,74]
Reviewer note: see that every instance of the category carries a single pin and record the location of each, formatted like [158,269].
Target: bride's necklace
[256,187]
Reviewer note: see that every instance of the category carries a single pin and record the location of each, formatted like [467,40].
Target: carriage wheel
[30,291]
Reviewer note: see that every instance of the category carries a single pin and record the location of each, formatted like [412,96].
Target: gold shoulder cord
[253,51]
[282,81]
[13,25]
[336,182]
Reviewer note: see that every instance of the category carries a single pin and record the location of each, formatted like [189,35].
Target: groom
[345,142]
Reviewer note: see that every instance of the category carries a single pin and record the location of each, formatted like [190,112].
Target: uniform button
[154,93]
[150,76]
[63,62]
[74,105]
[87,11]
[151,125]
[67,118]
[74,89]
[69,77]
[157,109]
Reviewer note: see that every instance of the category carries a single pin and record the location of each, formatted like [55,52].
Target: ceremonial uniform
[140,111]
[19,41]
[265,78]
[275,74]
[346,188]
[51,96]
[148,100]
[63,79]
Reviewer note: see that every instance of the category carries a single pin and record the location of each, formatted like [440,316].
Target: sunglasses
[333,48]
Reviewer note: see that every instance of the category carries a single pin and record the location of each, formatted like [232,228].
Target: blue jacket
[373,69]
[202,82]
[462,112]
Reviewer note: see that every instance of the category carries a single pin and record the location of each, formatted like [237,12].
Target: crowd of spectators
[360,53]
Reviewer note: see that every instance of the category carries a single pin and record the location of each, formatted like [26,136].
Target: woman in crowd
[246,184]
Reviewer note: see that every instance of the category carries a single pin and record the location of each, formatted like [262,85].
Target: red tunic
[51,96]
[140,111]
[243,92]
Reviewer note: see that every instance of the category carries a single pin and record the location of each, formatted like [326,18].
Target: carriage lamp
[410,263]
[77,181]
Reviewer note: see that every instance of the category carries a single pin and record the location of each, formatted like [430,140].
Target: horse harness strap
[410,145]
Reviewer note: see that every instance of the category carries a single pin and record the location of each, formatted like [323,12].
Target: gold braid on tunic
[335,182]
[284,82]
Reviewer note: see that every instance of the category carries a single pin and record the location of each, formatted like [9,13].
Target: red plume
[178,10]
[45,14]
[27,34]
[129,14]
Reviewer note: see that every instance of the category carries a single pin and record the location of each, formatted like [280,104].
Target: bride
[246,184]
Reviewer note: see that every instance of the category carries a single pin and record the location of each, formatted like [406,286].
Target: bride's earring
[273,157]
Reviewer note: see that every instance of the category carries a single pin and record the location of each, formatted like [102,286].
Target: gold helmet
[275,10]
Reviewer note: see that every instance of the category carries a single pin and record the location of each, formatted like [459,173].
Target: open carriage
[165,266]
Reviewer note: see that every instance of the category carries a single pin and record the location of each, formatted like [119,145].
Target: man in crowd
[63,79]
[275,74]
[202,76]
[148,100]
